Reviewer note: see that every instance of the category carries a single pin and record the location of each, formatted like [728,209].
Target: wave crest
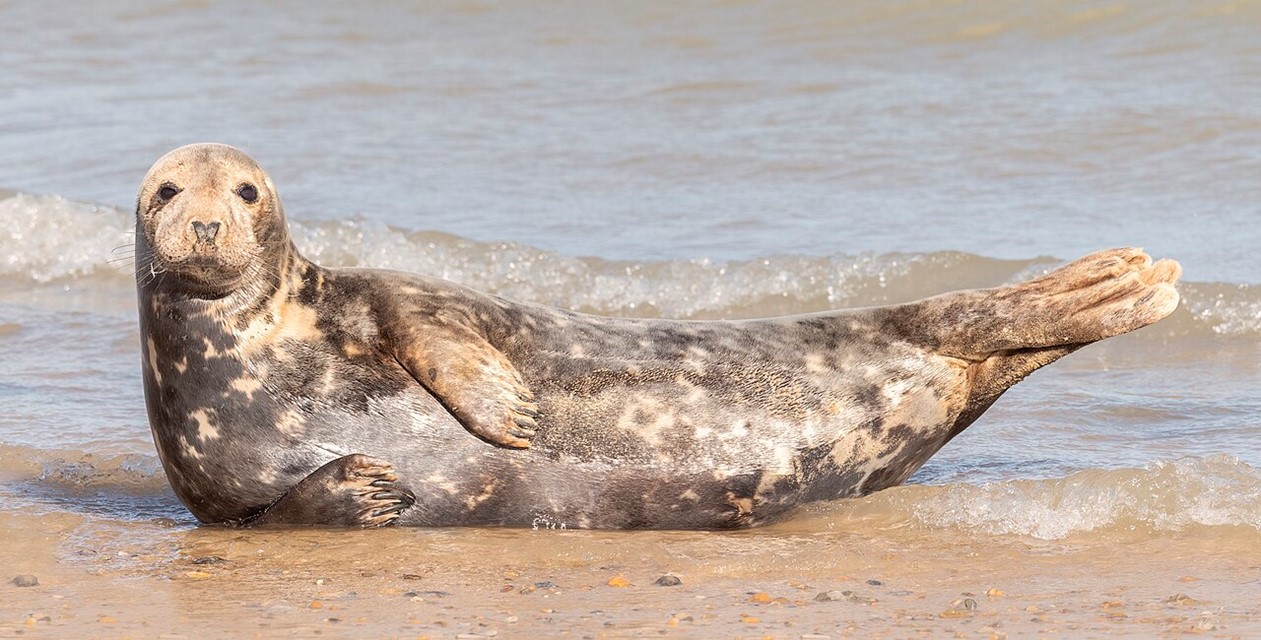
[1168,496]
[52,239]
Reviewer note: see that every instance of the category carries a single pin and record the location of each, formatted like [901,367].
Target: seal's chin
[206,277]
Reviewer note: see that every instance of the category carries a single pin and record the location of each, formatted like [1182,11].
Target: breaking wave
[53,240]
[1168,496]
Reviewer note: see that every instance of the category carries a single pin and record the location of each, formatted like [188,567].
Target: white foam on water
[50,240]
[1165,496]
[48,237]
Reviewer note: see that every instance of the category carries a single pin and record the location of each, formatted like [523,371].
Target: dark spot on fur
[296,469]
[898,436]
[309,294]
[869,395]
[912,456]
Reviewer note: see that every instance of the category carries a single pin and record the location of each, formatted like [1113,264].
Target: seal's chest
[317,372]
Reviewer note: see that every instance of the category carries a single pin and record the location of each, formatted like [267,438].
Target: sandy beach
[836,572]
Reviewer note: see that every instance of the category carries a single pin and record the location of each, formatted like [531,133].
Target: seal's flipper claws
[394,509]
[341,493]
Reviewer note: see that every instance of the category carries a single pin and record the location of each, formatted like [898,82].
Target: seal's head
[207,220]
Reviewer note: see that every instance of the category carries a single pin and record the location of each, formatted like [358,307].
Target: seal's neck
[264,282]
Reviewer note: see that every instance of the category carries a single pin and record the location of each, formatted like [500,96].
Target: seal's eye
[167,191]
[248,193]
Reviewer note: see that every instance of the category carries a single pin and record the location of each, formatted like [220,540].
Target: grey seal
[283,392]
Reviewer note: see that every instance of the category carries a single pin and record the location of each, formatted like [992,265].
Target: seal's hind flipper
[1099,296]
[351,491]
[474,381]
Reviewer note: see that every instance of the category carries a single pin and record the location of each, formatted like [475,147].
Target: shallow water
[701,160]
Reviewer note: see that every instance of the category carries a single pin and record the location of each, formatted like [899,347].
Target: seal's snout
[205,232]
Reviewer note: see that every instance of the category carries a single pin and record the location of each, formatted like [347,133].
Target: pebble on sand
[966,604]
[844,596]
[669,580]
[25,580]
[619,582]
[960,608]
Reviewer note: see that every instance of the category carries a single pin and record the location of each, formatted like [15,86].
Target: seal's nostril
[205,232]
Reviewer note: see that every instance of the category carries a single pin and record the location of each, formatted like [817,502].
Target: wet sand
[171,579]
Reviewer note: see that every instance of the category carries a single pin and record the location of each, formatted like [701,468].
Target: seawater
[696,160]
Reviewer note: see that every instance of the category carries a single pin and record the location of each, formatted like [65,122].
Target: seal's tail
[1099,296]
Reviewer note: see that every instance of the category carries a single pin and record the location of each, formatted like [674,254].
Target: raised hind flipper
[1008,332]
[1099,296]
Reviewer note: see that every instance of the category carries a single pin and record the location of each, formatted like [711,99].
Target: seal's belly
[833,426]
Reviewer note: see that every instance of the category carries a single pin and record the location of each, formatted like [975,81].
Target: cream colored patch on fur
[816,364]
[471,502]
[855,447]
[291,423]
[662,419]
[152,361]
[738,429]
[210,351]
[439,481]
[782,463]
[298,322]
[248,386]
[188,450]
[697,359]
[896,390]
[205,430]
[328,382]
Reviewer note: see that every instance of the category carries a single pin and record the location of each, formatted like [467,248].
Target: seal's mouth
[206,275]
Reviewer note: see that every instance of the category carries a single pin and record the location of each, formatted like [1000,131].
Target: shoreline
[151,579]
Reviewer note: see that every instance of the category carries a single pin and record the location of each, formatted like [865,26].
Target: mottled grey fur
[281,392]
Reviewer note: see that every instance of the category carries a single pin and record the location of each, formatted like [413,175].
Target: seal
[283,392]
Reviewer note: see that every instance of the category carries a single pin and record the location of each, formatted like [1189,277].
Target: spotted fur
[279,391]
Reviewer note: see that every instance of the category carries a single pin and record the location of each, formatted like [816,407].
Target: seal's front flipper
[353,491]
[475,382]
